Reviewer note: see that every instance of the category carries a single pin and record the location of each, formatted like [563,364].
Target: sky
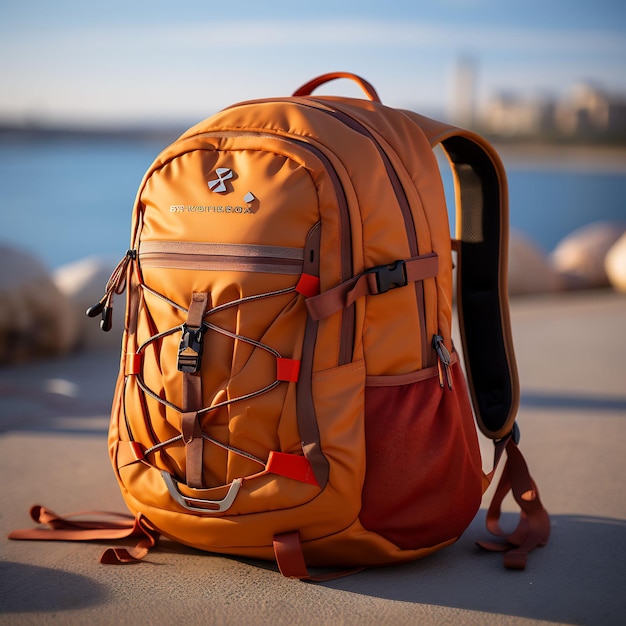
[138,61]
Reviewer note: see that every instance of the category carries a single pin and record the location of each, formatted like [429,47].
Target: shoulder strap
[482,230]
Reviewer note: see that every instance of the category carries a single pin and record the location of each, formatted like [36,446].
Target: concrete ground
[571,352]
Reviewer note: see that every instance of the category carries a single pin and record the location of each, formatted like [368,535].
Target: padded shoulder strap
[482,231]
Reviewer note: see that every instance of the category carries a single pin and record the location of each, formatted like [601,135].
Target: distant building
[586,112]
[510,115]
[464,91]
[591,111]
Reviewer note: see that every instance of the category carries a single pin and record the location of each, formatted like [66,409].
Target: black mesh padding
[484,229]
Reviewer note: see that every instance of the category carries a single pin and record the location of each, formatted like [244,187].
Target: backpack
[288,386]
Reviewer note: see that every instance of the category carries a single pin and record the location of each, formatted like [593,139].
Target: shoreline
[520,153]
[589,158]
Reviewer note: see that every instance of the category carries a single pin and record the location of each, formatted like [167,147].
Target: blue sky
[137,60]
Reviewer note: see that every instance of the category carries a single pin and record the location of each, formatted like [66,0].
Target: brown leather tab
[196,309]
[289,556]
[192,435]
[191,431]
[291,563]
[194,449]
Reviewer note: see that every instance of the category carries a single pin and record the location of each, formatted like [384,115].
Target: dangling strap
[533,529]
[67,529]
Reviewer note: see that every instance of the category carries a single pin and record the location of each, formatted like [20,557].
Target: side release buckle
[190,349]
[389,276]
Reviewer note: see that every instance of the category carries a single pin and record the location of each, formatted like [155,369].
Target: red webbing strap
[289,557]
[308,285]
[291,466]
[66,529]
[287,370]
[345,294]
[291,563]
[533,529]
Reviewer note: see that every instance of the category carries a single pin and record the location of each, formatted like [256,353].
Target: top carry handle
[308,88]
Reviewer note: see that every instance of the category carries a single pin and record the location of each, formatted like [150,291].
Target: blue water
[65,199]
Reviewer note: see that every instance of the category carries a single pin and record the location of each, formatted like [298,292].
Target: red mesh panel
[423,483]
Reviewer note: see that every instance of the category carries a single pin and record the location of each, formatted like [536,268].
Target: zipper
[221,257]
[401,198]
[444,359]
[115,285]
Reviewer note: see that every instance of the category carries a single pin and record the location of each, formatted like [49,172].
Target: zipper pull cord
[115,284]
[443,361]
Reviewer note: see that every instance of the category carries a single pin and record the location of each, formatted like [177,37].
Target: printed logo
[212,208]
[218,185]
[246,206]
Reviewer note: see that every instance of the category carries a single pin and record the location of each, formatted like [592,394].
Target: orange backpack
[288,385]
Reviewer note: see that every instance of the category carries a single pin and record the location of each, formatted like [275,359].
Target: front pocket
[423,483]
[247,352]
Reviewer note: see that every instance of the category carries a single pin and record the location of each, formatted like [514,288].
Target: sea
[64,198]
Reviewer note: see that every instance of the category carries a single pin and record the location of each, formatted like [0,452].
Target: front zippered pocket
[225,146]
[195,255]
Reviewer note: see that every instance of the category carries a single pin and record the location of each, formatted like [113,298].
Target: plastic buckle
[389,276]
[190,350]
[515,433]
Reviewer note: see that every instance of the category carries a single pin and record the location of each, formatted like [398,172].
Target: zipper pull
[443,361]
[115,284]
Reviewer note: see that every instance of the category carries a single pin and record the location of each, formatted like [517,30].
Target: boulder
[83,282]
[529,269]
[36,319]
[615,264]
[579,257]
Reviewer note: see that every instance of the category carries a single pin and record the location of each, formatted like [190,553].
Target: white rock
[36,318]
[579,257]
[615,264]
[529,269]
[84,282]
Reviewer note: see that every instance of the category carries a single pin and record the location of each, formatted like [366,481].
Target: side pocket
[423,482]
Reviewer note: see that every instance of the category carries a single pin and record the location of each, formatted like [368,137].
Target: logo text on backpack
[200,208]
